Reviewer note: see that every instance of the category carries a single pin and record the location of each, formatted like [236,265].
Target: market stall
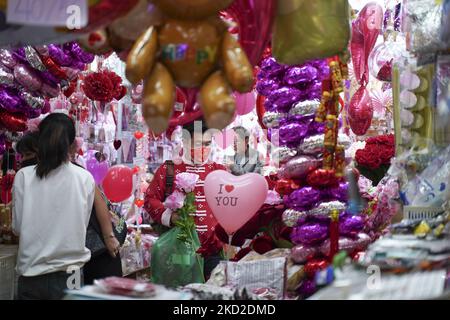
[344,106]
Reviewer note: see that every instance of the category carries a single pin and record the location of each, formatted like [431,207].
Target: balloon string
[229,251]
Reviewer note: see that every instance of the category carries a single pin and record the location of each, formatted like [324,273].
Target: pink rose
[186,181]
[175,200]
[364,184]
[273,198]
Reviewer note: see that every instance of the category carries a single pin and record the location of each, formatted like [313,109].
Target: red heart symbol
[139,202]
[94,37]
[138,134]
[136,169]
[117,144]
[229,188]
[100,156]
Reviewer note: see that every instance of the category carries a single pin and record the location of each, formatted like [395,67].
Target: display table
[90,293]
[357,284]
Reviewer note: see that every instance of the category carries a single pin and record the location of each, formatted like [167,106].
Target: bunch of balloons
[29,76]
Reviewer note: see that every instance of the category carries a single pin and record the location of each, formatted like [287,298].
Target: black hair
[190,127]
[8,161]
[28,143]
[56,135]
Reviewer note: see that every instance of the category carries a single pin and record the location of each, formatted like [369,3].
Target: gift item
[125,287]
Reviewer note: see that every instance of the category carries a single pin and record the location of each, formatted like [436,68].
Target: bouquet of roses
[175,261]
[374,160]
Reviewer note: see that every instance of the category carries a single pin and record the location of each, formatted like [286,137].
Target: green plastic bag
[174,262]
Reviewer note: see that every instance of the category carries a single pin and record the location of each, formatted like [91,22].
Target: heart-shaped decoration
[139,203]
[136,169]
[229,188]
[234,208]
[138,134]
[100,156]
[117,144]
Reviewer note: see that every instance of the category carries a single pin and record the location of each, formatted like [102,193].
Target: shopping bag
[175,263]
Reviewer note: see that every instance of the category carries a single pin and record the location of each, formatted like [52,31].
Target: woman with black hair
[52,203]
[27,147]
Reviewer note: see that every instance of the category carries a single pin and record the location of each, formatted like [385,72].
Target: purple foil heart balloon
[351,224]
[340,192]
[303,198]
[266,86]
[285,96]
[293,132]
[271,67]
[300,75]
[310,233]
[59,56]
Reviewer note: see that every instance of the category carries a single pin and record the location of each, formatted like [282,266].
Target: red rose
[262,244]
[98,86]
[210,246]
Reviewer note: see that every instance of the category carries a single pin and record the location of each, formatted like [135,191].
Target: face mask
[200,155]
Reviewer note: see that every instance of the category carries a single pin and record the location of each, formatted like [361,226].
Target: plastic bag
[175,263]
[431,187]
[305,30]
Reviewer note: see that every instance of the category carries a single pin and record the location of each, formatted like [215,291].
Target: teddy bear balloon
[190,49]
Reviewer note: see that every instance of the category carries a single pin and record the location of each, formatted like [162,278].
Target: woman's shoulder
[80,172]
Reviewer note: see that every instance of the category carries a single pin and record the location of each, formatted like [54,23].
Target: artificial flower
[273,198]
[175,200]
[263,244]
[186,181]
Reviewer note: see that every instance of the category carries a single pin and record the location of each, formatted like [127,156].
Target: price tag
[72,14]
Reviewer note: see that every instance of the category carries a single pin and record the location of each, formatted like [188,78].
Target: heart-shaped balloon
[254,20]
[234,199]
[13,121]
[136,169]
[224,138]
[360,111]
[245,102]
[139,203]
[117,144]
[365,30]
[138,134]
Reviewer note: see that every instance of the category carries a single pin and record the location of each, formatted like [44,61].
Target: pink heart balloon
[360,111]
[224,138]
[245,102]
[365,30]
[234,200]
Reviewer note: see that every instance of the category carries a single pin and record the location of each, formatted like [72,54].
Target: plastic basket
[7,277]
[420,213]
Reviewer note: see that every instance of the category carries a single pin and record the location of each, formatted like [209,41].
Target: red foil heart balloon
[360,111]
[139,203]
[13,121]
[136,169]
[322,178]
[254,19]
[138,134]
[285,186]
[312,266]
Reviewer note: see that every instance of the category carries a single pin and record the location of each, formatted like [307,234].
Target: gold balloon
[158,99]
[191,48]
[216,100]
[141,58]
[310,29]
